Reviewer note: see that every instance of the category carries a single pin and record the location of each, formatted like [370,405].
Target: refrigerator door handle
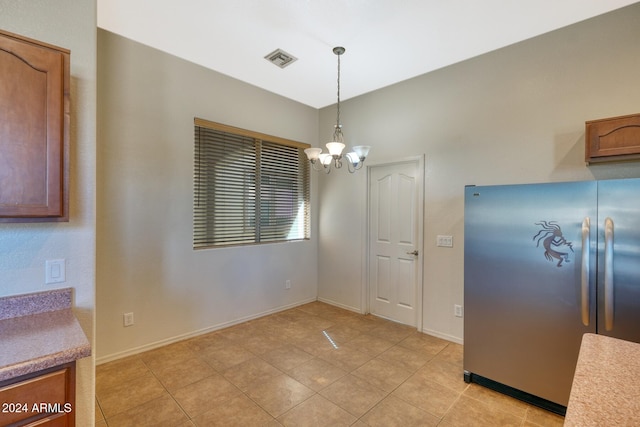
[584,285]
[608,274]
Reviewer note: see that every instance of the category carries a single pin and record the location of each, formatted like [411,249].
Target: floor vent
[280,58]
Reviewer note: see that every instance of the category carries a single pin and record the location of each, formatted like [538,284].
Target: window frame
[294,189]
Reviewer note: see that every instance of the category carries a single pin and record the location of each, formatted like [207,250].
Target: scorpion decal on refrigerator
[553,238]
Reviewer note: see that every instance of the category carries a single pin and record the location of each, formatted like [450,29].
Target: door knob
[413,253]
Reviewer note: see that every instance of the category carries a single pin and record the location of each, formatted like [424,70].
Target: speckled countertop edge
[34,303]
[605,390]
[42,333]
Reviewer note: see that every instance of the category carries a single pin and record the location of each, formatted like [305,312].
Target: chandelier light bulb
[313,153]
[353,157]
[335,148]
[325,159]
[362,151]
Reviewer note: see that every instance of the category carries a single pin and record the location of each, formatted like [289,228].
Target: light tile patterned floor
[283,370]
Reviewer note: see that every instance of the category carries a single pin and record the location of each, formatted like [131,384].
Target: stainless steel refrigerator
[544,264]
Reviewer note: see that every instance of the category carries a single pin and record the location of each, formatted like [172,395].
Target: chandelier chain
[338,117]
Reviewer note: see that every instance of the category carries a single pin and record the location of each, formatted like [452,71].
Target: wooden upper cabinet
[34,130]
[615,138]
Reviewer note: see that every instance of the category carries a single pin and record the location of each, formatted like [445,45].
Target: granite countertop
[605,390]
[39,331]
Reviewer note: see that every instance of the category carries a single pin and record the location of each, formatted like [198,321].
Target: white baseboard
[337,304]
[154,345]
[447,337]
[436,334]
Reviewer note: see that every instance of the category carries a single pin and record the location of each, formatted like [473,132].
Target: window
[248,187]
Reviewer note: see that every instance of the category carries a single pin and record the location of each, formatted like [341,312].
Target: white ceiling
[386,41]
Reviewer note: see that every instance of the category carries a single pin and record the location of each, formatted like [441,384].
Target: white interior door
[395,259]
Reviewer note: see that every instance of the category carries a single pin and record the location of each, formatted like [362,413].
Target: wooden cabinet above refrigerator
[34,130]
[612,139]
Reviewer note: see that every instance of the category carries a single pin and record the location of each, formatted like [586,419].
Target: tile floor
[314,365]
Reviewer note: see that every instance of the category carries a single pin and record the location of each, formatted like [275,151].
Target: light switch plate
[55,271]
[445,241]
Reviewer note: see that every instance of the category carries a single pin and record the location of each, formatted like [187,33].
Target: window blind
[248,187]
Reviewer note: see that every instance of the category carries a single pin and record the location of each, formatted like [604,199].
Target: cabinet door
[615,138]
[45,398]
[58,420]
[33,130]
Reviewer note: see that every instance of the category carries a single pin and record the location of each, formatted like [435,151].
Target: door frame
[366,282]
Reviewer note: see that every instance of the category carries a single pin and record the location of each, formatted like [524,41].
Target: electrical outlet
[287,284]
[444,241]
[457,310]
[128,319]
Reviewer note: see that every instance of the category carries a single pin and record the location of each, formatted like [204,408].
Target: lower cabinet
[45,398]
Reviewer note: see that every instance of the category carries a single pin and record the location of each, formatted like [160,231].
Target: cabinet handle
[608,274]
[586,250]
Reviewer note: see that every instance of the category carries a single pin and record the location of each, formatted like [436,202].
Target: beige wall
[25,247]
[511,116]
[146,264]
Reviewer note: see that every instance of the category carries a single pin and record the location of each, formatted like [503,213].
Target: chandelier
[325,161]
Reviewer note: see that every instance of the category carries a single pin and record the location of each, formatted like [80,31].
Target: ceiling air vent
[280,58]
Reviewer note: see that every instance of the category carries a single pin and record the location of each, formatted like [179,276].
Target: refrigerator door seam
[586,250]
[608,274]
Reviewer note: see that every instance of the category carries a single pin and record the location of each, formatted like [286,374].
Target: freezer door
[619,259]
[523,288]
